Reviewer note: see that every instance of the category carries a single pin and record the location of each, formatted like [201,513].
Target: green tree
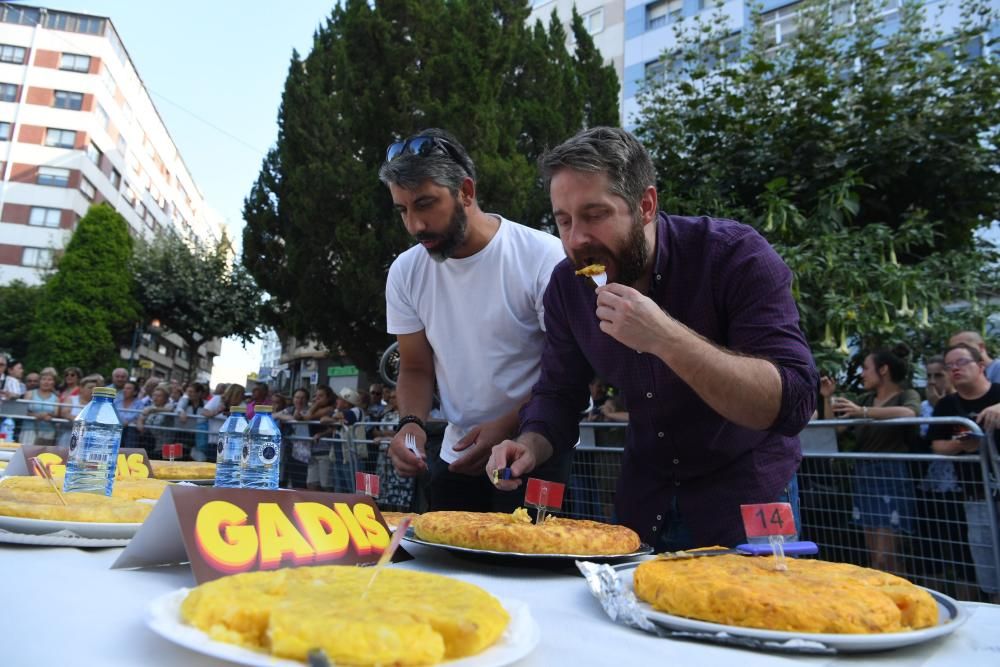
[195,291]
[321,232]
[86,308]
[867,160]
[17,315]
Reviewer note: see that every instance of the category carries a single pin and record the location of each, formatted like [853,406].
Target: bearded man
[466,307]
[698,328]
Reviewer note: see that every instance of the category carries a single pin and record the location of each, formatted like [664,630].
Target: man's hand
[630,318]
[406,463]
[827,386]
[989,418]
[477,445]
[514,455]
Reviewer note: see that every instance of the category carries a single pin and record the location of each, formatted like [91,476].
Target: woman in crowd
[188,417]
[884,501]
[157,416]
[10,385]
[129,407]
[296,434]
[44,407]
[71,384]
[318,473]
[396,491]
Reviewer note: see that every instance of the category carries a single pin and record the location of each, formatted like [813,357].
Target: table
[101,621]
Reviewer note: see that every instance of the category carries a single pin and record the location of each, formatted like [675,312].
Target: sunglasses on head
[423,145]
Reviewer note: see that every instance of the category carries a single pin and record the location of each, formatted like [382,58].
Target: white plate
[119,531]
[643,550]
[163,616]
[60,540]
[950,616]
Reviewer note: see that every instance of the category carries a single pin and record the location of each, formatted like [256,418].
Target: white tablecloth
[65,606]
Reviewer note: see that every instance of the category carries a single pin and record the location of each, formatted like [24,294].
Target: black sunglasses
[423,146]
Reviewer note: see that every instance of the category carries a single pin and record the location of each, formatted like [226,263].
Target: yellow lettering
[54,463]
[223,538]
[377,534]
[359,538]
[324,529]
[279,538]
[137,466]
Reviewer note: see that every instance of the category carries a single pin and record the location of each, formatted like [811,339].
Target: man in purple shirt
[696,325]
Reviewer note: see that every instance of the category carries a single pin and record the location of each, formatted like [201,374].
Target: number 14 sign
[768,519]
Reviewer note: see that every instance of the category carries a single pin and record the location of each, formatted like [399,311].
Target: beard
[451,238]
[630,259]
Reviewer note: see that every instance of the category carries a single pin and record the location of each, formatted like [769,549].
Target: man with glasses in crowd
[466,307]
[977,398]
[697,328]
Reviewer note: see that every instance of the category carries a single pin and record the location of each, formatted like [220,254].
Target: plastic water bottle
[261,451]
[230,449]
[7,430]
[93,446]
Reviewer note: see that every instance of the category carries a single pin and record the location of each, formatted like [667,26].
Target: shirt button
[677,483]
[659,517]
[659,277]
[676,461]
[660,434]
[649,394]
[654,529]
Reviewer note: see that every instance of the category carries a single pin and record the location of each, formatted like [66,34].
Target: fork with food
[595,272]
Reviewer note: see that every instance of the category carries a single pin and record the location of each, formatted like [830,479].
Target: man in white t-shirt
[466,307]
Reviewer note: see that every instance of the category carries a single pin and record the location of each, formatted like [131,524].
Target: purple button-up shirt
[725,282]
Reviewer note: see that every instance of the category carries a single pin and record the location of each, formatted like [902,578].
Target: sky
[215,70]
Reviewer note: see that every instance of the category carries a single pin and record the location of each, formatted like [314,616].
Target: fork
[410,441]
[600,279]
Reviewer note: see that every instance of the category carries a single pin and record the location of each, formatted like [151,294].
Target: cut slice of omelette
[591,270]
[810,596]
[406,618]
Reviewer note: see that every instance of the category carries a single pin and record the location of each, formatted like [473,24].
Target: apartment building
[78,127]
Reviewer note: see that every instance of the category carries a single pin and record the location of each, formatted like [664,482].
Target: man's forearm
[540,447]
[744,390]
[415,393]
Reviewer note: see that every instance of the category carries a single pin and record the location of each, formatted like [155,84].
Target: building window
[68,100]
[780,25]
[656,72]
[56,176]
[60,138]
[108,80]
[102,115]
[4,131]
[594,21]
[658,14]
[12,54]
[130,196]
[89,25]
[8,92]
[94,153]
[87,188]
[74,62]
[122,145]
[38,257]
[115,178]
[44,217]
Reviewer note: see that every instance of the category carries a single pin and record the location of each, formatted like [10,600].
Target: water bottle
[93,446]
[7,430]
[230,449]
[261,451]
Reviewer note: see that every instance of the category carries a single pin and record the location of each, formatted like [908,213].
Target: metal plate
[643,550]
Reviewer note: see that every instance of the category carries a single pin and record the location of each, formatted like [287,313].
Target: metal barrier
[941,539]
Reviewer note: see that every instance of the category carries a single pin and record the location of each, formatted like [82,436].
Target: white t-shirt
[483,317]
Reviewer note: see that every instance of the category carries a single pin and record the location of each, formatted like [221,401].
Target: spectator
[612,410]
[260,395]
[76,403]
[187,417]
[318,472]
[44,407]
[348,413]
[71,384]
[176,393]
[118,378]
[148,387]
[278,403]
[377,404]
[129,407]
[598,394]
[884,501]
[397,491]
[31,381]
[296,436]
[10,386]
[991,367]
[155,419]
[977,398]
[214,404]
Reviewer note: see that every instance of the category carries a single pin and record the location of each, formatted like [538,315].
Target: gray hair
[442,167]
[607,150]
